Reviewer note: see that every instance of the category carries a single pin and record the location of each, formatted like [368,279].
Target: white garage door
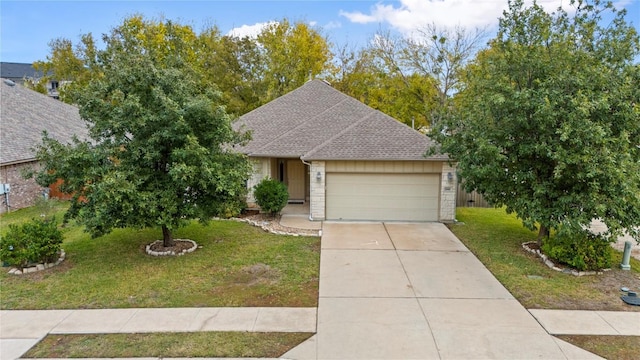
[382,197]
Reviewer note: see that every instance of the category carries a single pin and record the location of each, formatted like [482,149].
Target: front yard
[236,265]
[240,265]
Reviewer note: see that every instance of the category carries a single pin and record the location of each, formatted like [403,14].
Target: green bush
[579,248]
[271,195]
[37,241]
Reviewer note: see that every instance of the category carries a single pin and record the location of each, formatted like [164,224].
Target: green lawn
[496,238]
[113,271]
[167,345]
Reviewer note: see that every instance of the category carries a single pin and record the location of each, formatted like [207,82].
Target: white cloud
[409,15]
[332,25]
[251,31]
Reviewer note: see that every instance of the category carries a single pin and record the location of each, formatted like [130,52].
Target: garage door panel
[402,197]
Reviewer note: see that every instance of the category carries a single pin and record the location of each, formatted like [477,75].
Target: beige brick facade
[261,170]
[448,190]
[318,193]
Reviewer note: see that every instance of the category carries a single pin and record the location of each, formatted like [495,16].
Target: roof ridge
[303,123]
[335,136]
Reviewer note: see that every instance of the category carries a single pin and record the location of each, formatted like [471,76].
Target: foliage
[34,242]
[578,248]
[271,195]
[411,79]
[161,143]
[548,122]
[291,54]
[248,71]
[368,78]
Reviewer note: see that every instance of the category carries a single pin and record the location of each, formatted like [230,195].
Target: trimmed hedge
[579,248]
[271,195]
[34,242]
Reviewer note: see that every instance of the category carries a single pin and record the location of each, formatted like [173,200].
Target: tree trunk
[542,233]
[167,237]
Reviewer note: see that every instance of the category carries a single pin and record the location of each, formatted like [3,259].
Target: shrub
[579,248]
[271,195]
[37,241]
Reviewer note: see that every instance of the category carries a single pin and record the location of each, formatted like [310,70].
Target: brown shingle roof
[317,122]
[24,114]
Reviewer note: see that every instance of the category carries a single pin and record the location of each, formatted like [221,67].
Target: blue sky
[26,27]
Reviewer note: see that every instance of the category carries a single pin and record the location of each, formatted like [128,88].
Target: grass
[609,347]
[113,271]
[167,345]
[496,238]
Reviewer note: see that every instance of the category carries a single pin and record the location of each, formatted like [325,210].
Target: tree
[549,119]
[291,54]
[366,77]
[160,148]
[412,79]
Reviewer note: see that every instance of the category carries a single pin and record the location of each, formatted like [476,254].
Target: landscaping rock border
[171,252]
[552,265]
[38,267]
[272,225]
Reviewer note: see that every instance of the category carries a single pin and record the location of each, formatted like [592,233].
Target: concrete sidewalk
[21,329]
[580,322]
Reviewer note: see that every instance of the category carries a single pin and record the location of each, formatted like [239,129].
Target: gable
[317,122]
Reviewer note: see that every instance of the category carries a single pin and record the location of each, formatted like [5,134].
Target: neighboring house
[24,115]
[19,72]
[347,160]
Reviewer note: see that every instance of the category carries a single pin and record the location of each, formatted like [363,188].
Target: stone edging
[268,226]
[38,267]
[171,253]
[552,265]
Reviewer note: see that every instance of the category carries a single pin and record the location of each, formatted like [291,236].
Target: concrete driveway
[414,291]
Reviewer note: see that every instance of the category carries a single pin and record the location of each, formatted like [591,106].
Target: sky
[26,27]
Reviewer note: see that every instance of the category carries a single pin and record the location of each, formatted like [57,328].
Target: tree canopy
[548,118]
[160,142]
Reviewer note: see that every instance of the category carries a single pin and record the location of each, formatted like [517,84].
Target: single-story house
[347,160]
[25,114]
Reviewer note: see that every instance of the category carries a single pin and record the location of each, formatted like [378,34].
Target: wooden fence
[472,199]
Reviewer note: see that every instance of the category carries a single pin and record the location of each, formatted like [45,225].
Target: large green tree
[160,147]
[549,118]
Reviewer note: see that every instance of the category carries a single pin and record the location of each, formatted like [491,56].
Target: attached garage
[382,196]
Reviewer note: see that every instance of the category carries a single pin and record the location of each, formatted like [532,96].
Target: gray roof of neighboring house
[11,70]
[318,122]
[25,114]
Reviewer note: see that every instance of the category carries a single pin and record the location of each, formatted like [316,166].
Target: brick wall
[24,192]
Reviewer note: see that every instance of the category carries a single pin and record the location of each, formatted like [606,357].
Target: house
[347,161]
[19,72]
[25,114]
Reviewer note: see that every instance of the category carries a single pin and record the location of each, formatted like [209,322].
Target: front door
[296,180]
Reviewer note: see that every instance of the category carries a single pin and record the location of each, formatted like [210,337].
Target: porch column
[317,190]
